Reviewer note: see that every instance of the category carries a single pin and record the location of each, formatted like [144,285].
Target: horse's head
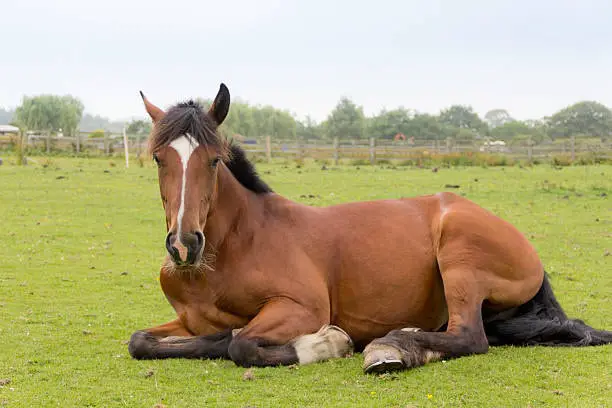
[185,145]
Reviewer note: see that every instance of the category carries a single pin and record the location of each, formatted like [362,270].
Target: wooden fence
[371,150]
[375,150]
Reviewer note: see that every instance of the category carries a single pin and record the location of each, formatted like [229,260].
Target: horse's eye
[215,161]
[156,159]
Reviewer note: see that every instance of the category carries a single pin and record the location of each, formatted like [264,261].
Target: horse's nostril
[200,238]
[169,242]
[195,243]
[170,239]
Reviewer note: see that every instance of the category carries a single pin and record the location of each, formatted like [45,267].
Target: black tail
[541,321]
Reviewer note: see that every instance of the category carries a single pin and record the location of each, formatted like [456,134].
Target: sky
[529,57]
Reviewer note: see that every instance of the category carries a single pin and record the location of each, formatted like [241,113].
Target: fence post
[21,149]
[573,146]
[125,148]
[529,149]
[268,149]
[448,145]
[372,151]
[77,136]
[336,152]
[106,147]
[48,141]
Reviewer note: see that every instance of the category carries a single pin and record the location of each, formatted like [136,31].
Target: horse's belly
[386,275]
[370,304]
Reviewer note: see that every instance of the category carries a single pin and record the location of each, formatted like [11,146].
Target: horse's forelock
[187,118]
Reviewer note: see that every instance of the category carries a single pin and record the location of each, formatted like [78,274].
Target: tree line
[50,113]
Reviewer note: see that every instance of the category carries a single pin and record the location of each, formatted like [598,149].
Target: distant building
[497,146]
[4,129]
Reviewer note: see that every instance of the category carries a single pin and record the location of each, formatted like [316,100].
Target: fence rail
[336,150]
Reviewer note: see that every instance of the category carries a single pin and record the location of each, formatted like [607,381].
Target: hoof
[381,358]
[338,337]
[329,342]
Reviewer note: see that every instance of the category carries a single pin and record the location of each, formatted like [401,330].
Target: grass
[83,240]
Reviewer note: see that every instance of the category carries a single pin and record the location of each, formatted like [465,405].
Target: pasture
[83,240]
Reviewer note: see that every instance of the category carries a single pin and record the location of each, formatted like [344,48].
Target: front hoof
[329,342]
[381,358]
[141,345]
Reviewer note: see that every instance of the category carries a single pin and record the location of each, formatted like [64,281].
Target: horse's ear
[220,106]
[154,112]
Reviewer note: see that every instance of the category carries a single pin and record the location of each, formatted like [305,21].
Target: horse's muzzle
[187,250]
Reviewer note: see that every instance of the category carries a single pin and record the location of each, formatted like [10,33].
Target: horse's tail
[541,321]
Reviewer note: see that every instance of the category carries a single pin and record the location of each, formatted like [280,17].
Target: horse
[265,281]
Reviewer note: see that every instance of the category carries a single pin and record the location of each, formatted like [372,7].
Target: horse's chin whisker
[203,265]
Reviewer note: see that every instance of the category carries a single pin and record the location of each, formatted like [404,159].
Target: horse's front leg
[286,333]
[173,340]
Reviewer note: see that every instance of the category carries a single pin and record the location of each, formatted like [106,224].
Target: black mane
[190,118]
[245,172]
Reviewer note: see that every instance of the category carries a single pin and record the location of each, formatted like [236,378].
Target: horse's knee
[141,345]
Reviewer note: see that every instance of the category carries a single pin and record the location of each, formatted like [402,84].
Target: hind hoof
[382,359]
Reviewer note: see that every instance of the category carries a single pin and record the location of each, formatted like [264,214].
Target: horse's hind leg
[411,347]
[173,340]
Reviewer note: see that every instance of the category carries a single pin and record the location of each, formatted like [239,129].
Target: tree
[308,129]
[283,124]
[71,112]
[509,130]
[387,124]
[255,121]
[497,117]
[462,117]
[240,120]
[50,113]
[466,135]
[346,120]
[519,131]
[90,123]
[582,118]
[138,127]
[426,126]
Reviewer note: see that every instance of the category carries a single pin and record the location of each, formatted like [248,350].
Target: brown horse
[264,281]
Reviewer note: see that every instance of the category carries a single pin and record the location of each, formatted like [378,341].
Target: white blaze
[184,146]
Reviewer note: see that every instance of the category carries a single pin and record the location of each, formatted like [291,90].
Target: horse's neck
[234,208]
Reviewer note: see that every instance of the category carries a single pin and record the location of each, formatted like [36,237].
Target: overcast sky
[531,57]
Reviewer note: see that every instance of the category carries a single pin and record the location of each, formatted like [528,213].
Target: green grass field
[82,241]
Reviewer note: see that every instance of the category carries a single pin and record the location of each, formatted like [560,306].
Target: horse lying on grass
[265,281]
